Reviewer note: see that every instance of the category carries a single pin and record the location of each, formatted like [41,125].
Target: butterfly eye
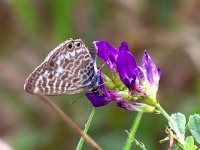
[78,45]
[69,46]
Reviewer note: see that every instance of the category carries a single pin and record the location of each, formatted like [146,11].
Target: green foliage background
[29,29]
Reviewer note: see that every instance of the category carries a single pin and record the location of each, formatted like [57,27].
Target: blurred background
[29,29]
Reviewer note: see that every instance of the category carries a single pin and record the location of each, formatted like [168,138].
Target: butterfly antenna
[88,112]
[78,98]
[102,65]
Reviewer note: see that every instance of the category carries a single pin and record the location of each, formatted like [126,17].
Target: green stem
[134,128]
[173,125]
[87,125]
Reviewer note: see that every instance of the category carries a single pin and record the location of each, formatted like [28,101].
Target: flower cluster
[130,82]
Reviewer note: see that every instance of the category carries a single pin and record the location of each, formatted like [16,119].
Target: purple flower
[126,66]
[98,100]
[150,70]
[130,81]
[104,96]
[128,105]
[107,53]
[122,61]
[149,76]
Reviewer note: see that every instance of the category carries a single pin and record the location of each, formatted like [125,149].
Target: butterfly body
[68,69]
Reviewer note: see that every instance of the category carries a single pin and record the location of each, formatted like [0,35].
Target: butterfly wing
[69,68]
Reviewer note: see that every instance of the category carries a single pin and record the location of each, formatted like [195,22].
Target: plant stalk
[87,126]
[133,131]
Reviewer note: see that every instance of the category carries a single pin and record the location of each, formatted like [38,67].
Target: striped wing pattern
[69,68]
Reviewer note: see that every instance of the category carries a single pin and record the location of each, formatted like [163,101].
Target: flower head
[149,75]
[130,81]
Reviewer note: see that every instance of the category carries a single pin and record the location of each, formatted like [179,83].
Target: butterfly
[68,69]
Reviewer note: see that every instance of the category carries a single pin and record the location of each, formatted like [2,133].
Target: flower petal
[98,100]
[128,105]
[102,86]
[107,53]
[124,47]
[127,66]
[153,74]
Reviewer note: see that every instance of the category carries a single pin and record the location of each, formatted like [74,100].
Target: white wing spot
[54,84]
[61,57]
[67,55]
[72,53]
[57,74]
[36,90]
[60,87]
[79,50]
[46,72]
[60,70]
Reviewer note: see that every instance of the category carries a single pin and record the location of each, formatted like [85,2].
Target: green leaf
[194,126]
[190,143]
[180,121]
